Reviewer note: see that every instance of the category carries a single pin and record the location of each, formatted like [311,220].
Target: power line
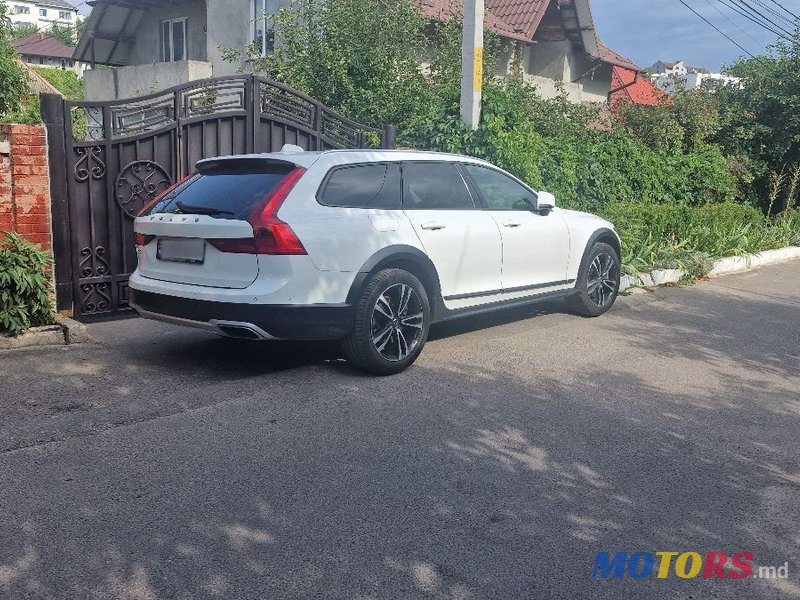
[729,38]
[749,17]
[750,8]
[786,10]
[777,14]
[731,21]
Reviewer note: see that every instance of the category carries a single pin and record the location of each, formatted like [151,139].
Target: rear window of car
[376,186]
[232,191]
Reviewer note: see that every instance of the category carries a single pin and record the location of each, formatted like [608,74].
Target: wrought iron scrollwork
[93,263]
[95,298]
[89,163]
[87,123]
[139,183]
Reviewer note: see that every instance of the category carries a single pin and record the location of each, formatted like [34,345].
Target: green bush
[585,169]
[691,237]
[24,286]
[13,77]
[65,81]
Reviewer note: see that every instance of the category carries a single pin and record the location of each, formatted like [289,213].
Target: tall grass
[692,237]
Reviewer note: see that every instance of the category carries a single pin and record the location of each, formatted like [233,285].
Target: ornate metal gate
[108,159]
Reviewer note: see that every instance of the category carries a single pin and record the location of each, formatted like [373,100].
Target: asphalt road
[160,462]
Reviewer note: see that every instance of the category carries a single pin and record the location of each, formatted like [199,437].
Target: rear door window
[229,192]
[374,186]
[434,186]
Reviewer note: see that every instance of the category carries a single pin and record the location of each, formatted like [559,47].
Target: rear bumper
[253,321]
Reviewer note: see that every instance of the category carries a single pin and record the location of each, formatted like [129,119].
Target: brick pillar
[8,212]
[25,184]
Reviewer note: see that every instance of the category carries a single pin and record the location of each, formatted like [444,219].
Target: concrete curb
[725,266]
[65,332]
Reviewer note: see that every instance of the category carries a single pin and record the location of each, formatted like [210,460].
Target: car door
[535,246]
[462,241]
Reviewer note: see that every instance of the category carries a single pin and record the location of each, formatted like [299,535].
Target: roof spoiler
[244,164]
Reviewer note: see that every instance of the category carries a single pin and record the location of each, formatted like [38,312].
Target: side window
[363,186]
[500,191]
[434,186]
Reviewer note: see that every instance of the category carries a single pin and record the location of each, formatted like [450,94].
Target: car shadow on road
[497,318]
[254,358]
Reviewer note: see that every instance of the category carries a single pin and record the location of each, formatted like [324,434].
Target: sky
[650,30]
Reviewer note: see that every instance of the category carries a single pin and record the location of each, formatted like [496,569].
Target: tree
[63,33]
[21,32]
[13,78]
[80,27]
[359,57]
[681,122]
[761,121]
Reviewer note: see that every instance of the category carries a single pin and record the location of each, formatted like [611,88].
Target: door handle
[512,224]
[433,226]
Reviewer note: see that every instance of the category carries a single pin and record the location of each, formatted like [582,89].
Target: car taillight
[150,204]
[270,234]
[141,239]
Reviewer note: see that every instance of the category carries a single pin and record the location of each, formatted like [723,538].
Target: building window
[263,32]
[65,15]
[173,40]
[42,12]
[21,10]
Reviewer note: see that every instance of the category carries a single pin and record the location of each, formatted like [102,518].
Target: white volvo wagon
[366,247]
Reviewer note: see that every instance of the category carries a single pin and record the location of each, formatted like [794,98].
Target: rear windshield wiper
[189,209]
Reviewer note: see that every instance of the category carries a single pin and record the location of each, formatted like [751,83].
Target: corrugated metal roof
[39,44]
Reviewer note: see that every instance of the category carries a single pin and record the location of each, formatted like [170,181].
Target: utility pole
[472,62]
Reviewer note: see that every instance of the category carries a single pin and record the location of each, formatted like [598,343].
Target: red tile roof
[633,87]
[444,10]
[607,55]
[42,45]
[523,15]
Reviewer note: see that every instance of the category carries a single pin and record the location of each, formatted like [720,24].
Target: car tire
[392,321]
[598,282]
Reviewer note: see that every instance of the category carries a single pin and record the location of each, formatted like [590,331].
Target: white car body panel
[535,248]
[282,280]
[465,248]
[219,269]
[481,257]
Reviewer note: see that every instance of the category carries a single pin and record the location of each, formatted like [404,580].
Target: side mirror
[545,202]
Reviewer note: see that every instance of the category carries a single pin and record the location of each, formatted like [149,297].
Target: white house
[42,14]
[670,76]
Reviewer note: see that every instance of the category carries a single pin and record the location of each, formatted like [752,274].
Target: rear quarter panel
[342,239]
